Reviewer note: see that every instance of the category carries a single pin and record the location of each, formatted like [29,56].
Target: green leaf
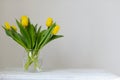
[8,32]
[39,30]
[37,36]
[32,33]
[25,34]
[19,39]
[40,34]
[53,38]
[36,27]
[15,36]
[47,35]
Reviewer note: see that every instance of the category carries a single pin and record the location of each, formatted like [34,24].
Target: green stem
[27,64]
[36,64]
[32,58]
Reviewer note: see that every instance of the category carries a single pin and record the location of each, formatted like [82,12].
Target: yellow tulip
[49,22]
[14,27]
[24,21]
[56,29]
[7,26]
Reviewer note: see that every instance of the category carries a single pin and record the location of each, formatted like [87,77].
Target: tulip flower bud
[7,26]
[49,22]
[56,29]
[24,21]
[14,27]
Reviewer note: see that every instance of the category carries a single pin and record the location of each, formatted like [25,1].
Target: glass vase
[32,62]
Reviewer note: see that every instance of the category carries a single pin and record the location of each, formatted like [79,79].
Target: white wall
[91,29]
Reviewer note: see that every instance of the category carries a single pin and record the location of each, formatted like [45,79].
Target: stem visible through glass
[32,58]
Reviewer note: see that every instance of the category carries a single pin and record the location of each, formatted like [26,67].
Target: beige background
[91,29]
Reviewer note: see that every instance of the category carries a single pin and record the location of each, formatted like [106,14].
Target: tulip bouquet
[32,38]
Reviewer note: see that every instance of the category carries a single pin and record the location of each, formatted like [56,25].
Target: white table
[64,74]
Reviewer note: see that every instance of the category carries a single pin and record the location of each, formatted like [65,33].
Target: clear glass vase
[32,62]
